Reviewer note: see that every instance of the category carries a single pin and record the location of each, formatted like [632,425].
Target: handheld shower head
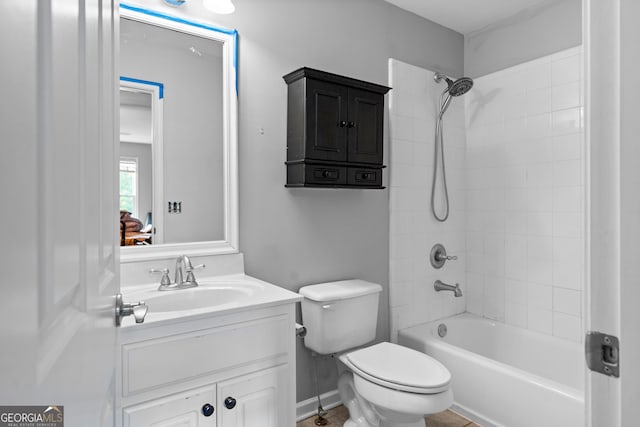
[460,86]
[455,87]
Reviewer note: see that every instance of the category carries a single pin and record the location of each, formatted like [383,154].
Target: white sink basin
[197,298]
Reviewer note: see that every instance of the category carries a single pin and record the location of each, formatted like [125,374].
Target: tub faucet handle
[439,256]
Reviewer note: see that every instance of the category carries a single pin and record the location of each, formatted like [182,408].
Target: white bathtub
[506,376]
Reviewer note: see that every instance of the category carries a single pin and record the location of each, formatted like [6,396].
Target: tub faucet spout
[441,286]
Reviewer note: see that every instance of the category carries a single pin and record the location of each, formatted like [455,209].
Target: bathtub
[504,375]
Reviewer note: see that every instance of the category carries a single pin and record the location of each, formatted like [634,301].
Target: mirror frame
[229,40]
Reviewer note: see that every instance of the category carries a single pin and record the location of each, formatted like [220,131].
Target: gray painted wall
[295,237]
[538,31]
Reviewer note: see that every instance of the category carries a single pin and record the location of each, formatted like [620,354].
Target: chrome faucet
[183,265]
[441,286]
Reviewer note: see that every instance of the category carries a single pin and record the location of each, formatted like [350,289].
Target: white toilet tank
[339,315]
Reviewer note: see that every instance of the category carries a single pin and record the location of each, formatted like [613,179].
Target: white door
[611,33]
[59,264]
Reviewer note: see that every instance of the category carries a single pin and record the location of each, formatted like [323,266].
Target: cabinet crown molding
[334,78]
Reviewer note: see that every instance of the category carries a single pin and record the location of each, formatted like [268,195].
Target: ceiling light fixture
[223,7]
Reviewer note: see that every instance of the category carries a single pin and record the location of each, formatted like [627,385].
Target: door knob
[138,310]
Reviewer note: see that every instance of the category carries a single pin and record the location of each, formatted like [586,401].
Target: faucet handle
[190,276]
[165,280]
[439,256]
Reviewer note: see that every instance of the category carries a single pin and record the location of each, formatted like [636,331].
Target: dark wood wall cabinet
[334,130]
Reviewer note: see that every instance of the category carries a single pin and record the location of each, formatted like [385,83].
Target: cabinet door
[365,124]
[187,409]
[327,116]
[257,399]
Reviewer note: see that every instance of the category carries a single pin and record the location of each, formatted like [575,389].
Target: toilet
[382,385]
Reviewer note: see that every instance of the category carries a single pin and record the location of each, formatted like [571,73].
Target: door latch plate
[603,353]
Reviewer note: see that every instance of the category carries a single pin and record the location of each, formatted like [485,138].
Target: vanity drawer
[150,364]
[364,176]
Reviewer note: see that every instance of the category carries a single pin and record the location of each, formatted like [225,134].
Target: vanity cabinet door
[254,400]
[194,408]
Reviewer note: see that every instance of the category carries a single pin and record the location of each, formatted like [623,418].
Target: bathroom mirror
[178,136]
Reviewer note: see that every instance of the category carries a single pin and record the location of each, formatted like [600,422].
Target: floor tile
[448,419]
[337,416]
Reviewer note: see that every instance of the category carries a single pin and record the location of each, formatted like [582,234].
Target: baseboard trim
[309,407]
[472,416]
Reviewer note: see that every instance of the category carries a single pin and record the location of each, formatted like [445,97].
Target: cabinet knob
[325,174]
[351,125]
[365,176]
[229,403]
[207,409]
[342,124]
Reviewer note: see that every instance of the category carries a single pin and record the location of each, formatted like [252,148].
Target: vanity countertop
[215,296]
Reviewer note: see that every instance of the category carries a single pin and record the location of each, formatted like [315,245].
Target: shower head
[460,86]
[457,87]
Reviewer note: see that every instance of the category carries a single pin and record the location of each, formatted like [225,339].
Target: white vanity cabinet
[179,410]
[252,400]
[226,370]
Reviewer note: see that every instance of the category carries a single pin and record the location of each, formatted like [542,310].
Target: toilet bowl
[383,385]
[390,385]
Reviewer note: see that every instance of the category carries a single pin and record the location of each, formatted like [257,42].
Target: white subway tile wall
[538,166]
[413,231]
[515,167]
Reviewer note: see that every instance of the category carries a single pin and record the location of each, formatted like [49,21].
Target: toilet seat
[399,368]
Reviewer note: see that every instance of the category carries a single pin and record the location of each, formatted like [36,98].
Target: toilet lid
[401,368]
